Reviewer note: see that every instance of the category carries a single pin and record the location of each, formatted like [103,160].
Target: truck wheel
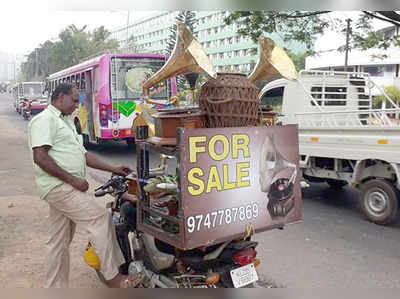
[378,201]
[336,184]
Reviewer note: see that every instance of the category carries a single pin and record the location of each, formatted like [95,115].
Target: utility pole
[14,62]
[347,44]
[127,30]
[36,64]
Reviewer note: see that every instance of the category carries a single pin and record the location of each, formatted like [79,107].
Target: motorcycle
[26,110]
[154,263]
[19,105]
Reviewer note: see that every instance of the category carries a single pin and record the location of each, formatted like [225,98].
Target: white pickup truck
[342,139]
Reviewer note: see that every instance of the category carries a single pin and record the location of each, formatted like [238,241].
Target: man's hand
[45,162]
[80,184]
[122,170]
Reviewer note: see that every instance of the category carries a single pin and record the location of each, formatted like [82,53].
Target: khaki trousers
[70,207]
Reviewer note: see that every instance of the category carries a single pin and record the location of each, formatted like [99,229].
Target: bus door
[89,104]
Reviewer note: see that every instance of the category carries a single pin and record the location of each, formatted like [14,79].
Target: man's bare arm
[94,162]
[45,162]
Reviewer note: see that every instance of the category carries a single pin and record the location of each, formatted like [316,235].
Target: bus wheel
[379,202]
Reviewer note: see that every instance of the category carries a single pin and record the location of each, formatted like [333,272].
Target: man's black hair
[65,88]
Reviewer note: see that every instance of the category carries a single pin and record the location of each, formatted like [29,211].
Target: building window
[389,68]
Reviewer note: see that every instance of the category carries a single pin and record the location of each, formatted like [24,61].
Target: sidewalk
[23,220]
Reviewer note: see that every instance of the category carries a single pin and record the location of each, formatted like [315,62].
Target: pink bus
[110,88]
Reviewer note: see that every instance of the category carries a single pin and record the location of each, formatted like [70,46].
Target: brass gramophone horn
[272,62]
[187,57]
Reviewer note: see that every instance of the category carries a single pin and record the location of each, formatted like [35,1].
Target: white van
[342,140]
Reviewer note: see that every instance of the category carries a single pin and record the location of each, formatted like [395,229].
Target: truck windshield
[129,74]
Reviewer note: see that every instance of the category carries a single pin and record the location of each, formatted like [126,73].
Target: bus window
[68,80]
[78,81]
[83,85]
[73,80]
[127,76]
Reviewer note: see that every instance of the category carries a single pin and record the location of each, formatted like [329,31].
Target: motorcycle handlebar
[108,186]
[100,193]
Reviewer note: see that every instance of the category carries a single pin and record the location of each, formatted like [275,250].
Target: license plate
[244,275]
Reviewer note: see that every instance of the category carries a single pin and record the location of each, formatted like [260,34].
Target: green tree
[393,93]
[188,18]
[299,60]
[74,45]
[304,26]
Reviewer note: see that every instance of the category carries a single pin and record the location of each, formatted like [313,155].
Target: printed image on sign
[233,179]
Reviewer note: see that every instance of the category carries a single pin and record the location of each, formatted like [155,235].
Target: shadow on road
[343,200]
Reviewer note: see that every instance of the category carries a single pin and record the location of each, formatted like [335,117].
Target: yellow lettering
[194,149]
[241,173]
[213,180]
[225,147]
[244,146]
[227,185]
[195,181]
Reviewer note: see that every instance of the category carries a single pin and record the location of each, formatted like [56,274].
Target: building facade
[383,66]
[225,48]
[10,65]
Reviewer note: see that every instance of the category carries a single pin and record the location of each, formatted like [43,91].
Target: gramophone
[272,62]
[277,174]
[277,179]
[187,58]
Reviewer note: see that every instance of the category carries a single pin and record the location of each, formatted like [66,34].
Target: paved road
[333,247]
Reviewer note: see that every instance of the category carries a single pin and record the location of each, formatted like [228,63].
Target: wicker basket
[230,100]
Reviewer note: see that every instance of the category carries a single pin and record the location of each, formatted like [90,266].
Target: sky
[24,25]
[22,31]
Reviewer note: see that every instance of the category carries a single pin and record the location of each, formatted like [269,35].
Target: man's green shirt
[51,128]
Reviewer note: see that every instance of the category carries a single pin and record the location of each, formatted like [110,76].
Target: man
[60,169]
